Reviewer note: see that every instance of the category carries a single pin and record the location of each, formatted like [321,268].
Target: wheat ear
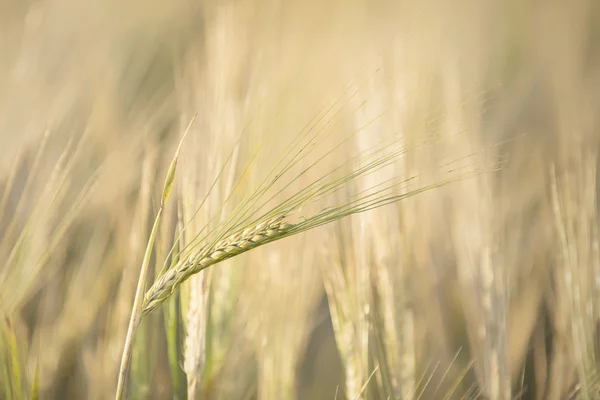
[238,243]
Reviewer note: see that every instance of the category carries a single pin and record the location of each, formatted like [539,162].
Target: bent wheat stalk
[274,227]
[256,221]
[236,244]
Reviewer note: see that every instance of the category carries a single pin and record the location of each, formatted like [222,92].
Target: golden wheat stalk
[276,228]
[136,312]
[236,244]
[210,247]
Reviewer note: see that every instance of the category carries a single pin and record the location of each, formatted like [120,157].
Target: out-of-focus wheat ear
[575,207]
[197,325]
[482,274]
[196,308]
[393,320]
[485,279]
[286,289]
[208,314]
[136,313]
[495,306]
[349,302]
[481,270]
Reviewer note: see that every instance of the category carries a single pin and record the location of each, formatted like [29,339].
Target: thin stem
[136,313]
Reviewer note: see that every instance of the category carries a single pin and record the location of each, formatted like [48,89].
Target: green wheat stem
[136,313]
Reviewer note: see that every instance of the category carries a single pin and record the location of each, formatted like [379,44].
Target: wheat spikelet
[236,244]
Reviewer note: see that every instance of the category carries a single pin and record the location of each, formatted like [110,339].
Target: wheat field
[268,199]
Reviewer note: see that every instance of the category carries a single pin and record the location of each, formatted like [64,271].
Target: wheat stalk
[236,244]
[273,228]
[249,233]
[575,220]
[136,312]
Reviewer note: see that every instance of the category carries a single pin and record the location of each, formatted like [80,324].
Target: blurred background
[488,288]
